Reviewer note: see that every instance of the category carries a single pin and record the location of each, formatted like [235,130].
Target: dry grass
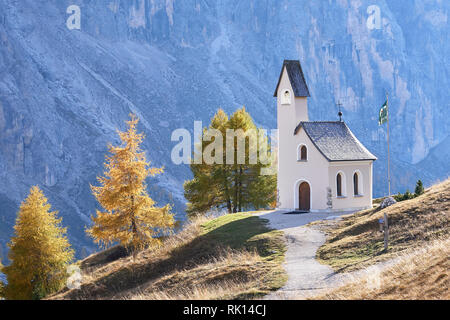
[419,275]
[201,292]
[234,256]
[228,276]
[355,241]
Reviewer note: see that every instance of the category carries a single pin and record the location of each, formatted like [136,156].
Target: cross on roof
[339,104]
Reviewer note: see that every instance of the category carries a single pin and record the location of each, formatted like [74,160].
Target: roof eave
[345,160]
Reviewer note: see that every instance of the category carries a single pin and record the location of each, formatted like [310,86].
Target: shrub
[402,197]
[408,195]
[398,197]
[419,188]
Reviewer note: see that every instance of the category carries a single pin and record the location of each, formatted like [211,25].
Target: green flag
[382,118]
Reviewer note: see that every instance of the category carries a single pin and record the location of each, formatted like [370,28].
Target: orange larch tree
[130,216]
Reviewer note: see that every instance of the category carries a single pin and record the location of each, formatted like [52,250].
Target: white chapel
[322,166]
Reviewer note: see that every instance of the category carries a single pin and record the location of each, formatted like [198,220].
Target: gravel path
[307,277]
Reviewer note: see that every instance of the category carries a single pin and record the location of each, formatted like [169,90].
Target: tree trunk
[236,192]
[133,229]
[240,189]
[227,192]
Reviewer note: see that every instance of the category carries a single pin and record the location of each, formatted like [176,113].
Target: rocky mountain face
[64,92]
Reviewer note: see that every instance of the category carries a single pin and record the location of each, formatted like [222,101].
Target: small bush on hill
[419,190]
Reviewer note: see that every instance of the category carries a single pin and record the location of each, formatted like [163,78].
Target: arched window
[339,184]
[302,153]
[357,183]
[286,97]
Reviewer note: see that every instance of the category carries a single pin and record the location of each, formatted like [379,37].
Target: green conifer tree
[419,188]
[238,185]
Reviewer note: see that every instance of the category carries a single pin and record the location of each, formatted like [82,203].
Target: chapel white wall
[290,171]
[349,200]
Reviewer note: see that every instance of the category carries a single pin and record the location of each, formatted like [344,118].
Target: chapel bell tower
[292,94]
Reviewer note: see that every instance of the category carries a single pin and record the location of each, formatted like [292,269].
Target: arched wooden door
[304,196]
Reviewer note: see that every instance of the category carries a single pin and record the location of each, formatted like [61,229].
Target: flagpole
[389,171]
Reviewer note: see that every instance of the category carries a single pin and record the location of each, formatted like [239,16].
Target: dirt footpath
[307,277]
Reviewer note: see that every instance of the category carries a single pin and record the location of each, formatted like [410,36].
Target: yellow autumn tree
[39,251]
[130,216]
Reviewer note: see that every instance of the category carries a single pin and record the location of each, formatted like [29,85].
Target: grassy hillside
[356,242]
[419,275]
[234,256]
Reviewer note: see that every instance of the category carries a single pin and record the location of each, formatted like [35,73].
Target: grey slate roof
[335,141]
[296,77]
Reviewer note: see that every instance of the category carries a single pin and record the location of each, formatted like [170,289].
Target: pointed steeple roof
[296,77]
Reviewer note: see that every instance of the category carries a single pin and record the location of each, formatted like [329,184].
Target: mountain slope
[355,242]
[64,92]
[233,256]
[420,275]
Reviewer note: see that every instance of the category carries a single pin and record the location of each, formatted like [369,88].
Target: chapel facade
[322,166]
